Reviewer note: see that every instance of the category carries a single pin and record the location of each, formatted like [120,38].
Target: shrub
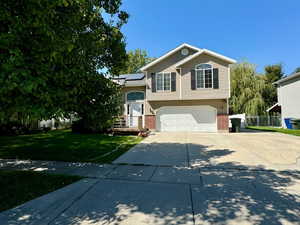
[84,126]
[13,128]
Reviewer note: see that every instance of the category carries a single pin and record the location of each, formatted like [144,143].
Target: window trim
[163,81]
[135,100]
[212,76]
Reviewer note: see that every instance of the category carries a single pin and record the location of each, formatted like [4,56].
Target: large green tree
[273,73]
[51,53]
[246,90]
[136,60]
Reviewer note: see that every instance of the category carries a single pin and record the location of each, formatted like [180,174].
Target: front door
[135,110]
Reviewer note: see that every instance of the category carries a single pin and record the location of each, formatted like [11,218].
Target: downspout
[180,94]
[229,85]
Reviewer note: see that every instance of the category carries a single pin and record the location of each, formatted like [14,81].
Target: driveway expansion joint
[192,203]
[187,155]
[73,202]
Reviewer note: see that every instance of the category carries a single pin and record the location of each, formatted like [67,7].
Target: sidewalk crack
[153,173]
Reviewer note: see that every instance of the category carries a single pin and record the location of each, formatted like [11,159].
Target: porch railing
[127,121]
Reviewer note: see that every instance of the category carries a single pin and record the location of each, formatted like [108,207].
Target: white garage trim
[187,118]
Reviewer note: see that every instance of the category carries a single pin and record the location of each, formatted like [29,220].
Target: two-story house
[186,89]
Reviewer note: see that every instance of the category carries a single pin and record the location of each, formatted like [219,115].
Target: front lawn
[280,130]
[17,187]
[63,145]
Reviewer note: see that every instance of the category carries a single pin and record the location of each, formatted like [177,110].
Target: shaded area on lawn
[17,187]
[63,145]
[274,129]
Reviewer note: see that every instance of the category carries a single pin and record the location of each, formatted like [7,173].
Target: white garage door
[187,118]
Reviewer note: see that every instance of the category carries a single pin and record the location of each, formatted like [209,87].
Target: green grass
[17,187]
[280,130]
[63,145]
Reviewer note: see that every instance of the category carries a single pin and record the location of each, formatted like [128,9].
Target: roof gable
[204,51]
[188,58]
[169,54]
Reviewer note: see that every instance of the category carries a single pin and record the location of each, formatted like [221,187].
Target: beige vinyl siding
[167,65]
[221,93]
[183,79]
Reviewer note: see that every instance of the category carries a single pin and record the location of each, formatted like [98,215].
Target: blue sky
[259,31]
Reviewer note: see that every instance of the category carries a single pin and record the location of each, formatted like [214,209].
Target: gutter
[290,77]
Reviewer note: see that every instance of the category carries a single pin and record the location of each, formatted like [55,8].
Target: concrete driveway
[186,178]
[248,150]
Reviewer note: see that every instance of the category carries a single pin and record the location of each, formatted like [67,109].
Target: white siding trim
[205,51]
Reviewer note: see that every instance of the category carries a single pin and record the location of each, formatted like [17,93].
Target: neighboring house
[187,89]
[288,91]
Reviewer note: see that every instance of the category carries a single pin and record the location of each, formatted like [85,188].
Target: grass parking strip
[274,129]
[18,187]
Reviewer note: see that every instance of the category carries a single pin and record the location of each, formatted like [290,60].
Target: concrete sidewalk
[118,172]
[211,197]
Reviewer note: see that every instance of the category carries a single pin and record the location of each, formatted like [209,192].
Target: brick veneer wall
[150,122]
[223,122]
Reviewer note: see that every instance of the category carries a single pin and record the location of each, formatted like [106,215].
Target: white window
[163,81]
[204,76]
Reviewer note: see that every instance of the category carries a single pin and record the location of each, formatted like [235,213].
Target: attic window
[184,51]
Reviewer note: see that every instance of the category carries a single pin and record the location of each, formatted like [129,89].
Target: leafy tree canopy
[246,90]
[273,73]
[51,52]
[252,93]
[136,59]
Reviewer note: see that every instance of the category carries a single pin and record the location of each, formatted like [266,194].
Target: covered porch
[132,120]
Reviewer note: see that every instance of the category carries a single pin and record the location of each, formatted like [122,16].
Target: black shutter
[173,81]
[193,80]
[216,78]
[153,82]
